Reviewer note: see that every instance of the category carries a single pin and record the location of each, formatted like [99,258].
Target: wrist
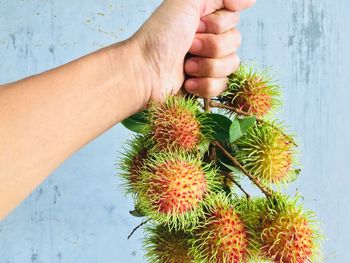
[147,66]
[159,78]
[127,58]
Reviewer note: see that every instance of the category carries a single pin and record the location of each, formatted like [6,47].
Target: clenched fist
[205,29]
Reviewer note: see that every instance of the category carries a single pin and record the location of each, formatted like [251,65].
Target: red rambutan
[267,153]
[176,124]
[222,237]
[167,246]
[251,92]
[173,187]
[287,233]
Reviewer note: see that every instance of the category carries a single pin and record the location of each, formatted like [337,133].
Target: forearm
[46,118]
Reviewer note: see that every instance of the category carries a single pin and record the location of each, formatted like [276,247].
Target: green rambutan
[133,161]
[252,91]
[223,236]
[287,233]
[173,187]
[267,153]
[177,124]
[167,246]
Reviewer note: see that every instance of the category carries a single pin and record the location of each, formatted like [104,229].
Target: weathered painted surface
[79,215]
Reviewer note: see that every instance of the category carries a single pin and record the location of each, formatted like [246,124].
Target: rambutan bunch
[164,245]
[268,153]
[182,168]
[173,187]
[222,236]
[177,124]
[286,232]
[253,92]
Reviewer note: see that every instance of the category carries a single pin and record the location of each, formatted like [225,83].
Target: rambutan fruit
[173,187]
[223,236]
[287,233]
[267,153]
[133,160]
[164,245]
[177,124]
[251,91]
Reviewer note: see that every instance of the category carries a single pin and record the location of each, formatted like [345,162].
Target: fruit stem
[140,225]
[212,154]
[207,103]
[267,192]
[238,111]
[244,113]
[228,176]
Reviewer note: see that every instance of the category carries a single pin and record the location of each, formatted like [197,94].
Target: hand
[205,29]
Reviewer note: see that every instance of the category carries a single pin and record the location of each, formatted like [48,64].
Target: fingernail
[196,45]
[201,27]
[191,66]
[191,85]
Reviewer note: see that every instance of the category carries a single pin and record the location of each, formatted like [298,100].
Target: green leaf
[240,126]
[136,123]
[233,169]
[136,213]
[235,131]
[220,125]
[204,147]
[294,175]
[247,123]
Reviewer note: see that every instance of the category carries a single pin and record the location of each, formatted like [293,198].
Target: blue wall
[79,215]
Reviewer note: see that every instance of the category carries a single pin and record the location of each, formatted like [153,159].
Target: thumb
[210,6]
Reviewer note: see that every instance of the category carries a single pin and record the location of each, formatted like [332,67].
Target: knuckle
[210,67]
[236,63]
[210,87]
[237,16]
[230,66]
[218,23]
[219,86]
[233,40]
[218,45]
[238,37]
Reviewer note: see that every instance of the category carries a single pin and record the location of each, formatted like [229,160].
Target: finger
[212,67]
[218,22]
[216,45]
[206,87]
[238,5]
[233,5]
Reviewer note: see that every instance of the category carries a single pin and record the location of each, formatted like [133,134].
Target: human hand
[205,29]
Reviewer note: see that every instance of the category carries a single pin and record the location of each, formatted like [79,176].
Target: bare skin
[46,118]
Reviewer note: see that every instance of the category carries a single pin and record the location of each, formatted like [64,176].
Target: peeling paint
[34,258]
[56,194]
[307,34]
[39,194]
[52,49]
